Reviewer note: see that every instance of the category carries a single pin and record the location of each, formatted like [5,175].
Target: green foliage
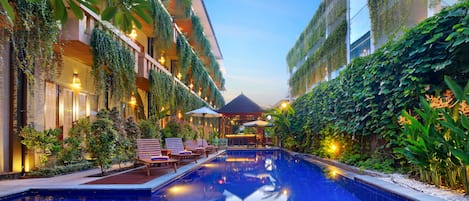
[331,54]
[124,13]
[73,150]
[181,129]
[388,17]
[436,140]
[124,147]
[369,95]
[60,170]
[315,30]
[118,75]
[149,129]
[162,24]
[34,34]
[282,127]
[132,130]
[44,143]
[101,141]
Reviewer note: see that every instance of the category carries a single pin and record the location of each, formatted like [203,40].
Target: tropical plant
[435,140]
[122,12]
[73,150]
[281,123]
[149,129]
[133,133]
[101,141]
[44,143]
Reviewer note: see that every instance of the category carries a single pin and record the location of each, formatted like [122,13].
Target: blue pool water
[242,175]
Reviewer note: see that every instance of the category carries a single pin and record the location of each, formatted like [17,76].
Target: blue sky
[254,37]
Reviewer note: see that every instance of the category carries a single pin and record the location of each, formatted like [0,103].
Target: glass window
[50,106]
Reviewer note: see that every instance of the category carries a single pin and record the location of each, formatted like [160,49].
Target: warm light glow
[285,192]
[133,34]
[180,189]
[76,83]
[200,92]
[334,147]
[162,60]
[190,119]
[162,108]
[179,76]
[210,165]
[232,159]
[284,105]
[133,100]
[179,115]
[191,86]
[206,98]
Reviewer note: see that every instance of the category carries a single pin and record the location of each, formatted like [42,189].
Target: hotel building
[172,64]
[342,30]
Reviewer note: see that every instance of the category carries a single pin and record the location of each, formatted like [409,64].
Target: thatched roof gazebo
[238,111]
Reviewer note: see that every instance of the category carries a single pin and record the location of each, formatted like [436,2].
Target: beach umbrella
[204,112]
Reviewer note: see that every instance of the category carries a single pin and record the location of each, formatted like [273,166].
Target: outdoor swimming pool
[272,175]
[265,175]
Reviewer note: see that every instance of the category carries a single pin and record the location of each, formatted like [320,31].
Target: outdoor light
[200,92]
[179,76]
[76,83]
[334,148]
[269,117]
[133,100]
[133,34]
[284,105]
[191,86]
[179,115]
[162,60]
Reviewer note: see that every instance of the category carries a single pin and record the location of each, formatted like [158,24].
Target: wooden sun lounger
[148,148]
[176,146]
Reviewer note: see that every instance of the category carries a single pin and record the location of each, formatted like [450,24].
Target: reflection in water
[254,176]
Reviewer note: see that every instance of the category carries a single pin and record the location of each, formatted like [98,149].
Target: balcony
[76,36]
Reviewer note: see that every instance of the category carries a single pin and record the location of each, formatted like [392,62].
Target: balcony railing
[77,32]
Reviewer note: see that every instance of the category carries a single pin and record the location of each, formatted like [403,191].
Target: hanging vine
[162,24]
[113,65]
[315,30]
[184,52]
[331,54]
[388,17]
[35,34]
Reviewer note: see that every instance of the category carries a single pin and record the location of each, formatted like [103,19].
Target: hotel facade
[171,65]
[342,30]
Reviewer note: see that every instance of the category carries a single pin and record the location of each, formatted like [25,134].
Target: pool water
[248,175]
[265,175]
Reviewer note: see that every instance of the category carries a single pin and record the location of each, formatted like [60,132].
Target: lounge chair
[203,143]
[149,152]
[192,146]
[177,150]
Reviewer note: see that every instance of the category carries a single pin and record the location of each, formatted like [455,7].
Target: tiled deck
[81,180]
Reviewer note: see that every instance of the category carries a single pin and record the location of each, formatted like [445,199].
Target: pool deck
[77,180]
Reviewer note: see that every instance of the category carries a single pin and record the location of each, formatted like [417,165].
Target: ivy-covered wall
[326,33]
[368,97]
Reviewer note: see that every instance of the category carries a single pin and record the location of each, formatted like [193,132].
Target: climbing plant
[162,24]
[34,36]
[367,98]
[113,66]
[315,30]
[388,18]
[330,54]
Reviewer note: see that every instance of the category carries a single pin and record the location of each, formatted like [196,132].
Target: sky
[254,37]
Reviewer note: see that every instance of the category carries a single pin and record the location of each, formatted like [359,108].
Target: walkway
[78,180]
